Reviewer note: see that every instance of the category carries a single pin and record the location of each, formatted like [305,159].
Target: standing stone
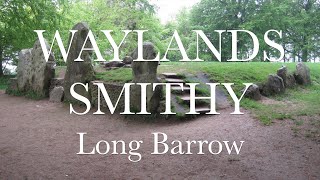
[24,69]
[56,95]
[273,86]
[282,72]
[288,79]
[145,72]
[34,73]
[302,74]
[78,72]
[43,71]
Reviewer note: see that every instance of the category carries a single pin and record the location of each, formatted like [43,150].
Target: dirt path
[38,140]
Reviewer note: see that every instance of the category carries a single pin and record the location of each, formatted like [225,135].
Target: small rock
[56,95]
[113,64]
[127,60]
[273,86]
[253,92]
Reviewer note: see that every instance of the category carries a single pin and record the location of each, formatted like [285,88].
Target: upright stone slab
[78,72]
[145,72]
[24,69]
[282,72]
[56,95]
[34,73]
[288,79]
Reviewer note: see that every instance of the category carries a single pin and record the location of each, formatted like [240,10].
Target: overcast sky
[169,8]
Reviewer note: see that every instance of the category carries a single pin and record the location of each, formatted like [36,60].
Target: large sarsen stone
[302,74]
[78,72]
[145,72]
[34,73]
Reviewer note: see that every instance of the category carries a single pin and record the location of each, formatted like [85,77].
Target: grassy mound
[300,101]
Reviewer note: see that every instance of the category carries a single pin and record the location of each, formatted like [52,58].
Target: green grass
[33,95]
[118,75]
[29,94]
[299,101]
[220,72]
[237,73]
[4,80]
[267,113]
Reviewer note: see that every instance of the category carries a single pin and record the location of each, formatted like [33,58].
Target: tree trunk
[307,7]
[305,50]
[305,55]
[294,55]
[1,70]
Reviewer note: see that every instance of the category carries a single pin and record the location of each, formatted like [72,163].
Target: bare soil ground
[38,140]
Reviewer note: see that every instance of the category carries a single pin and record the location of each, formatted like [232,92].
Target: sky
[169,8]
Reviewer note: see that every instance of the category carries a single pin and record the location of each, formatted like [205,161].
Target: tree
[296,18]
[19,18]
[211,15]
[309,29]
[116,15]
